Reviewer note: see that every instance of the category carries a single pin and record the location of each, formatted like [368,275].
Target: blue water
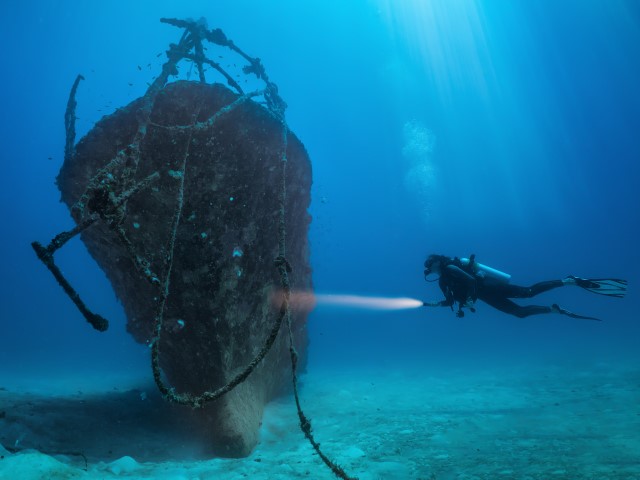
[504,129]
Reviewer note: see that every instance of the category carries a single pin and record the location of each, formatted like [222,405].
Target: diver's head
[435,264]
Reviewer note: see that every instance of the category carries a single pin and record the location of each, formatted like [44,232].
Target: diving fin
[611,287]
[556,308]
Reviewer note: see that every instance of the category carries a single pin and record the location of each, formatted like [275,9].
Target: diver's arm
[462,279]
[448,296]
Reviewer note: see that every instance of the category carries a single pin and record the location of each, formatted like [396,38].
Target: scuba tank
[484,271]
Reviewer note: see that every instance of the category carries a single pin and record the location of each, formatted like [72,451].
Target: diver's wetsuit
[462,287]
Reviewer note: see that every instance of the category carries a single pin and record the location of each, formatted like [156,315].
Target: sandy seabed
[544,422]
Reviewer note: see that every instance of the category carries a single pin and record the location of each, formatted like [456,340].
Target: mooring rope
[284,269]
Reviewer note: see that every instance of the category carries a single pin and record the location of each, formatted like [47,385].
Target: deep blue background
[535,111]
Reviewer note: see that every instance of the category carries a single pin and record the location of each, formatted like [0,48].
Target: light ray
[361,302]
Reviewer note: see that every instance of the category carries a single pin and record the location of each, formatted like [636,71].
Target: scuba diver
[463,281]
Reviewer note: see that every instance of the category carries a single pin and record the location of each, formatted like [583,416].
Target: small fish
[158,54]
[139,67]
[49,158]
[130,84]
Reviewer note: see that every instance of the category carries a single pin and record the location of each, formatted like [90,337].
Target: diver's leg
[541,287]
[516,291]
[507,306]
